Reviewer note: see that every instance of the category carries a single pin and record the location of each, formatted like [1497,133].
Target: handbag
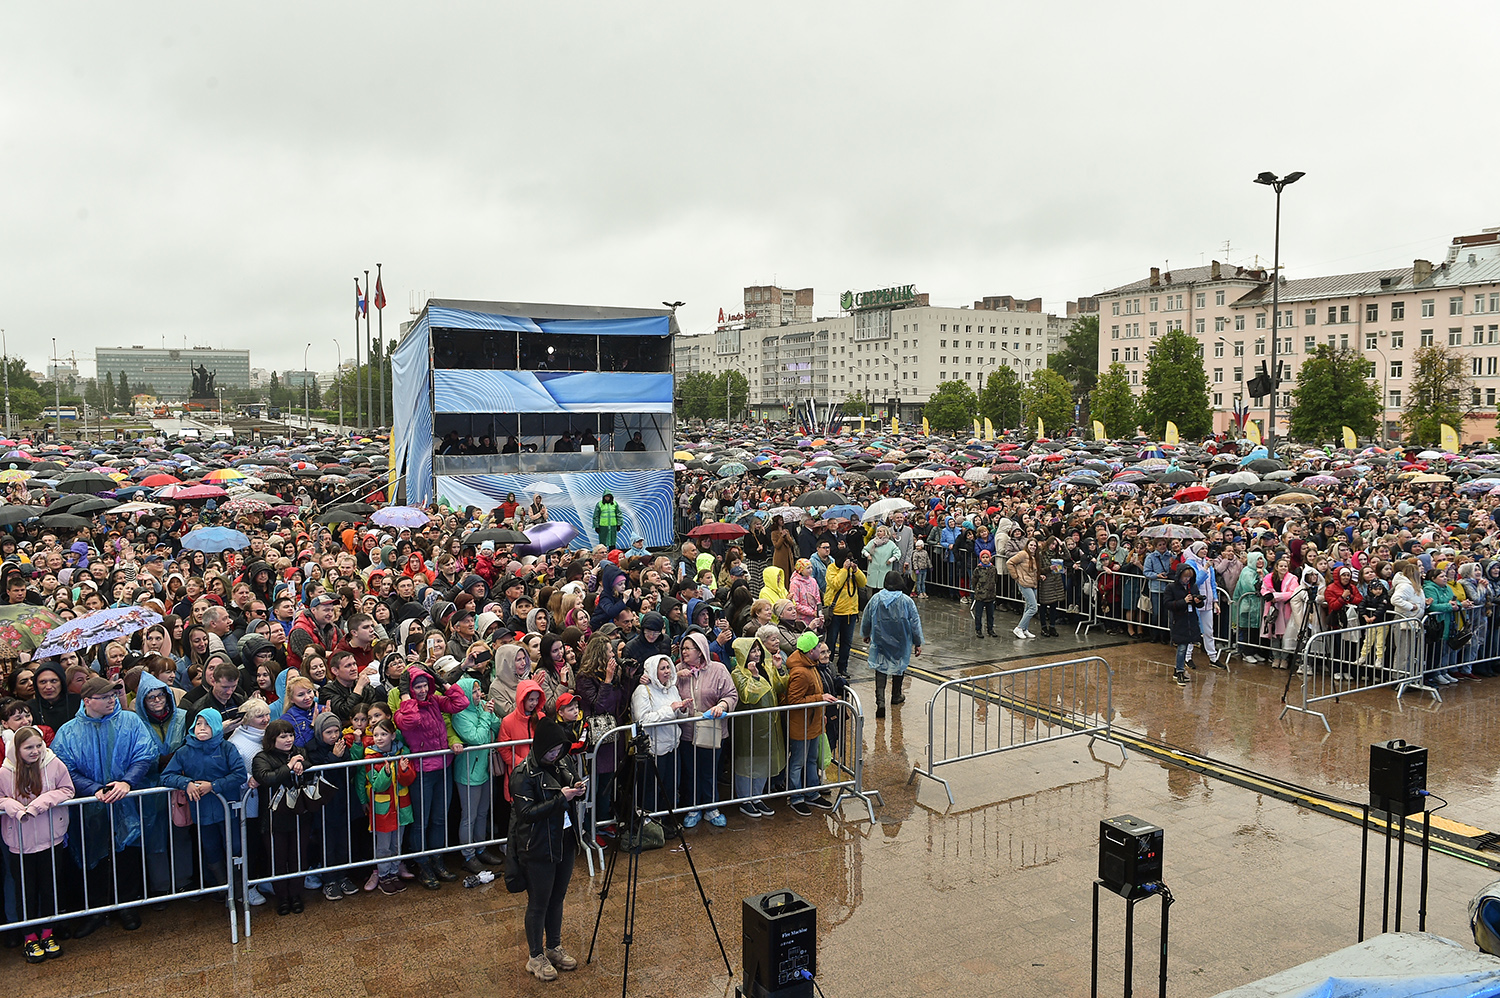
[1457,641]
[182,809]
[1143,603]
[1432,627]
[596,727]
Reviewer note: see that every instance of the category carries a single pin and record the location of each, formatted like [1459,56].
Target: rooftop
[1215,271]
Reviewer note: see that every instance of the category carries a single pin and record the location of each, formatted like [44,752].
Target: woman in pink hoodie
[421,721]
[33,782]
[807,595]
[708,685]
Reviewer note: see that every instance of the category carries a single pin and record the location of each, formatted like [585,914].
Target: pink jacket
[39,824]
[806,595]
[706,688]
[421,722]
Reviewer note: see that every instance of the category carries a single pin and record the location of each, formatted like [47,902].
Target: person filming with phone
[543,790]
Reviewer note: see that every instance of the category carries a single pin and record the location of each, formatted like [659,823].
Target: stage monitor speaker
[780,941]
[1129,854]
[1398,776]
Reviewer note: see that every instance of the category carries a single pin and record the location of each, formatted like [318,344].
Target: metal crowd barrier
[334,838]
[1353,659]
[1120,606]
[954,579]
[977,716]
[105,866]
[758,751]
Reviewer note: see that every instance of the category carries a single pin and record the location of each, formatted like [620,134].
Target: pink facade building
[1387,314]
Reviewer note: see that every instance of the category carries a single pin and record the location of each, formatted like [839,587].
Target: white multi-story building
[889,346]
[1387,314]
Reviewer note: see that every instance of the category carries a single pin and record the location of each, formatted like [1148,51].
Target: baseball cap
[323,600]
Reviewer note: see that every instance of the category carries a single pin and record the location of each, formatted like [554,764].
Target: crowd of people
[391,701]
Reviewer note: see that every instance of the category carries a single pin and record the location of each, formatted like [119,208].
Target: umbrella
[399,516]
[245,505]
[1192,493]
[215,539]
[1320,481]
[844,511]
[159,480]
[360,509]
[142,507]
[1265,465]
[191,492]
[882,507]
[978,473]
[729,469]
[818,497]
[1276,511]
[65,521]
[1267,488]
[1123,488]
[1177,476]
[10,475]
[1429,479]
[16,514]
[718,531]
[23,626]
[1178,531]
[948,481]
[223,475]
[500,535]
[87,483]
[95,629]
[793,513]
[914,473]
[547,537]
[92,505]
[1297,498]
[1190,509]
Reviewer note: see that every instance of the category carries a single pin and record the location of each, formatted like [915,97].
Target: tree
[125,395]
[1000,400]
[855,405]
[1114,404]
[951,407]
[1048,397]
[25,403]
[108,401]
[735,387]
[1333,391]
[1176,388]
[695,394]
[91,394]
[17,376]
[1438,393]
[1078,360]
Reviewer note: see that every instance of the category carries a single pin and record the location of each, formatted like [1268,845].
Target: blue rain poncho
[99,751]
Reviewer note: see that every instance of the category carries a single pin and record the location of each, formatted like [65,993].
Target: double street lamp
[1272,181]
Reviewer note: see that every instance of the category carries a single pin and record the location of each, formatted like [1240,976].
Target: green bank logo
[906,294]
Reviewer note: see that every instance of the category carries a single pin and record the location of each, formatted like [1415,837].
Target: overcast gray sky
[217,174]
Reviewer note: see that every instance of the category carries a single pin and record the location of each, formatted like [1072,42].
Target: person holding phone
[544,788]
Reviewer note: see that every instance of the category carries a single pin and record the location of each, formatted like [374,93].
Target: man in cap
[652,640]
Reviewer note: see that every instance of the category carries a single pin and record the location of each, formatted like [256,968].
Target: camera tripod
[628,829]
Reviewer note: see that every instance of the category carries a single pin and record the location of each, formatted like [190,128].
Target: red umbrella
[157,481]
[190,492]
[718,531]
[1192,493]
[948,481]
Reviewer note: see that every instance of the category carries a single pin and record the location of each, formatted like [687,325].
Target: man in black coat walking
[1182,601]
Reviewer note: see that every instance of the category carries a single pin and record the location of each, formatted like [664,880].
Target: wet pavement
[988,897]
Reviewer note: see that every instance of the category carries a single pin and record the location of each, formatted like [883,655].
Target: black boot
[897,697]
[879,695]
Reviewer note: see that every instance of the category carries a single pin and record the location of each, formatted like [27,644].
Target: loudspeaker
[1398,775]
[780,940]
[1129,855]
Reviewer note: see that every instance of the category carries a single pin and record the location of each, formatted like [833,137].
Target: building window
[1370,339]
[1478,335]
[1372,313]
[1114,332]
[1200,299]
[1476,366]
[1239,323]
[1218,399]
[1286,344]
[1239,375]
[1455,335]
[1219,349]
[1114,356]
[1153,304]
[1198,326]
[1429,307]
[1114,308]
[1218,297]
[1494,330]
[1239,348]
[1343,341]
[1153,333]
[1395,368]
[1489,396]
[1218,375]
[1260,320]
[1426,340]
[1398,310]
[1398,338]
[943,359]
[1309,345]
[1490,364]
[1219,323]
[1309,317]
[1333,314]
[1396,399]
[945,342]
[1456,305]
[1260,347]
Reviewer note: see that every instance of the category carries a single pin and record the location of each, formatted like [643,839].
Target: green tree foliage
[1176,388]
[1000,400]
[91,394]
[1048,397]
[1438,392]
[737,387]
[125,394]
[1114,404]
[951,407]
[702,395]
[17,377]
[1333,391]
[27,403]
[1078,360]
[108,401]
[855,405]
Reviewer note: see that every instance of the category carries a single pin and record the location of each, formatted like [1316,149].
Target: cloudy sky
[217,174]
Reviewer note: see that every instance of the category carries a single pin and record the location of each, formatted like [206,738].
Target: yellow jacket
[840,591]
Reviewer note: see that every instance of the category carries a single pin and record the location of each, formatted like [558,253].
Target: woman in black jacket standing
[1183,600]
[542,791]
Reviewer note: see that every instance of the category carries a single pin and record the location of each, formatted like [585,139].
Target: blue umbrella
[847,511]
[215,539]
[95,629]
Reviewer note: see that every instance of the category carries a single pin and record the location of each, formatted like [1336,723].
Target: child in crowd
[383,792]
[33,782]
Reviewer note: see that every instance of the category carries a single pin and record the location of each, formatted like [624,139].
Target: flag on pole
[1172,436]
[1449,438]
[1349,439]
[926,430]
[359,300]
[379,293]
[1099,433]
[989,429]
[1252,432]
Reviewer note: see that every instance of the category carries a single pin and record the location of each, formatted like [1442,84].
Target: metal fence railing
[1354,659]
[977,716]
[84,858]
[764,762]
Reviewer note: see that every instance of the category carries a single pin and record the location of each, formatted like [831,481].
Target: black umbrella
[352,507]
[497,534]
[16,514]
[92,504]
[342,516]
[65,521]
[1265,465]
[1178,477]
[46,466]
[819,497]
[1265,488]
[1018,478]
[87,482]
[62,503]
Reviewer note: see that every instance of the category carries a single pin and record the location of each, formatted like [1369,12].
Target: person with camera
[1183,601]
[845,581]
[543,789]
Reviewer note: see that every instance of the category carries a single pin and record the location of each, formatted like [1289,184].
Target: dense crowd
[393,699]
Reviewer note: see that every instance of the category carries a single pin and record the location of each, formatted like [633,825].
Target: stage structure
[560,391]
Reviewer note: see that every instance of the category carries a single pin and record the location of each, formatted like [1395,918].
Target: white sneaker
[1028,634]
[254,898]
[1018,632]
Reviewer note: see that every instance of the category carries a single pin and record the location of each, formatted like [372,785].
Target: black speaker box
[1129,854]
[1398,775]
[780,940]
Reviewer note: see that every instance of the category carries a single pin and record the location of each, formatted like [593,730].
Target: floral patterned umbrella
[23,626]
[95,629]
[245,505]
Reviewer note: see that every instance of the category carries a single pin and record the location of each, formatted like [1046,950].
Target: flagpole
[380,339]
[356,352]
[369,358]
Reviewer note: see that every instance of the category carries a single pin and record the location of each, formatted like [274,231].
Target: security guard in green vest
[607,520]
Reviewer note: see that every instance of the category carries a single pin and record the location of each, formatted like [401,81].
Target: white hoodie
[653,701]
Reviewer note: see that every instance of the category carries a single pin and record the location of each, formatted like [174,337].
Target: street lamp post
[6,350]
[56,392]
[1385,384]
[339,353]
[306,412]
[1270,180]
